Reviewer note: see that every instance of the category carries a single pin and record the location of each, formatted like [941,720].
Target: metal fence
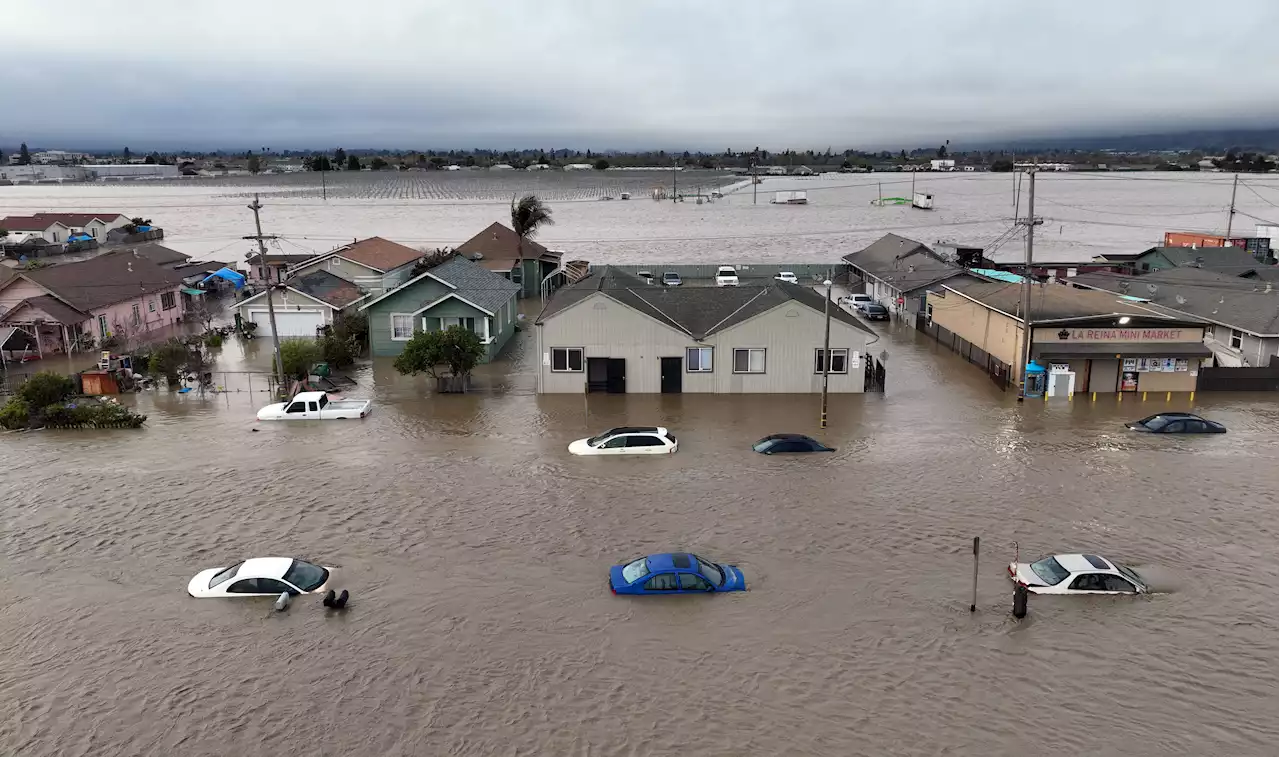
[1001,373]
[1265,379]
[805,272]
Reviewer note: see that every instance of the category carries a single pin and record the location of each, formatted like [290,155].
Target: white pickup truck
[315,406]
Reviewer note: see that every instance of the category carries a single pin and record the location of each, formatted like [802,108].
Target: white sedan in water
[627,440]
[1076,574]
[261,577]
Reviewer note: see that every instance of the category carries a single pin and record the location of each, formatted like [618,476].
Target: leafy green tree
[168,359]
[127,155]
[602,164]
[942,151]
[24,156]
[455,349]
[528,216]
[150,160]
[353,163]
[378,164]
[254,164]
[46,388]
[339,156]
[297,355]
[1002,165]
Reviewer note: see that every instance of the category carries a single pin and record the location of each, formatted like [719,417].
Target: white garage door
[290,322]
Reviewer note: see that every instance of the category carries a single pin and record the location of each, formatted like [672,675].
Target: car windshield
[763,444]
[1156,422]
[1050,571]
[637,569]
[226,574]
[306,576]
[712,572]
[1128,573]
[876,308]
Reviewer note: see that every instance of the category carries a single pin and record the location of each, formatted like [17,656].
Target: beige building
[611,332]
[1087,341]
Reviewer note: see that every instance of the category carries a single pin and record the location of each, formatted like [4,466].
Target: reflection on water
[476,550]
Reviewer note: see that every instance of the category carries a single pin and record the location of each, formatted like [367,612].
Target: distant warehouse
[109,171]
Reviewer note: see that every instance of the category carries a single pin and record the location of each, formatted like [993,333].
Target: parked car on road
[787,276]
[1077,574]
[315,406]
[776,443]
[726,276]
[261,577]
[627,440]
[671,279]
[874,311]
[674,573]
[646,275]
[1176,423]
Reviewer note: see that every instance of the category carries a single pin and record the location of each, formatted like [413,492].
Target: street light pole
[826,352]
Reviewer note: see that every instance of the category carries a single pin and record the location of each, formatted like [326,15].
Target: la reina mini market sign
[1121,335]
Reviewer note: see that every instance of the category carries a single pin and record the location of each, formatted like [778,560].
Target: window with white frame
[698,360]
[1237,339]
[748,360]
[566,359]
[839,361]
[401,327]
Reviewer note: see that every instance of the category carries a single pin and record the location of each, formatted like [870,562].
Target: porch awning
[192,292]
[14,338]
[1174,349]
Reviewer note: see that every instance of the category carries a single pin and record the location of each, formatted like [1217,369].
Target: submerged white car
[261,577]
[1076,574]
[628,440]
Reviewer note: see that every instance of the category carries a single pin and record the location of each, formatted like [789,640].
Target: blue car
[678,573]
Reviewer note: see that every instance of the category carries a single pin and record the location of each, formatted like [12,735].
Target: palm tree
[528,215]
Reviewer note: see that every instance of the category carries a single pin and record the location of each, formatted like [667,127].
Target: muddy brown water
[477,551]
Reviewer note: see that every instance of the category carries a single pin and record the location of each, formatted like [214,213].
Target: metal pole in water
[1020,601]
[973,606]
[826,352]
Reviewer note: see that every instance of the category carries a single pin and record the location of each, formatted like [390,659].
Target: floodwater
[1085,214]
[477,553]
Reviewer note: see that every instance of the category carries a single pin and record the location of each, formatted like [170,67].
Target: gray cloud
[503,73]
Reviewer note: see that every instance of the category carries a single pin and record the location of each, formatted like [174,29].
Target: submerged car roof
[265,567]
[1078,562]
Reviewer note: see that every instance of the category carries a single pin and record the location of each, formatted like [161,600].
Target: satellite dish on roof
[1181,300]
[1152,288]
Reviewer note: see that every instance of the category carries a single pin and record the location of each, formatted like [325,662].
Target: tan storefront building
[1087,341]
[1122,359]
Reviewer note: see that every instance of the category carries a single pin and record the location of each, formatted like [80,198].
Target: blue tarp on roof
[992,273]
[228,274]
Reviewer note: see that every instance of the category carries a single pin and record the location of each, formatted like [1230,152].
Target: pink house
[120,295]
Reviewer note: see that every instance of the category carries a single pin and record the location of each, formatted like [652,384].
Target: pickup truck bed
[309,407]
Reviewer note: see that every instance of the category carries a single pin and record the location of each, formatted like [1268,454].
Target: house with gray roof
[1229,260]
[897,272]
[612,332]
[1243,313]
[457,292]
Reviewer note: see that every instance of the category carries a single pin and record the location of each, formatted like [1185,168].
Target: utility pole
[1231,216]
[324,190]
[754,183]
[674,164]
[271,309]
[826,352]
[1030,223]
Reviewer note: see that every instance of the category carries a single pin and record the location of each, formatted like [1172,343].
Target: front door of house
[672,375]
[616,376]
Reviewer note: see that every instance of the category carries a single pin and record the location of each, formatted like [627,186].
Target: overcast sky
[645,73]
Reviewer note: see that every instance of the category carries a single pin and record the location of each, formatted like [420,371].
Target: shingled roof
[698,311]
[497,242]
[324,286]
[107,279]
[378,253]
[483,288]
[904,263]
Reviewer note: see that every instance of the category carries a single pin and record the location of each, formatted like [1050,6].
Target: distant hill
[1207,140]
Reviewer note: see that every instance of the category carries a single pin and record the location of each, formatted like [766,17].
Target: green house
[455,293]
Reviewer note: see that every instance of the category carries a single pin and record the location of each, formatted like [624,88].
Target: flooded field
[477,552]
[1085,214]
